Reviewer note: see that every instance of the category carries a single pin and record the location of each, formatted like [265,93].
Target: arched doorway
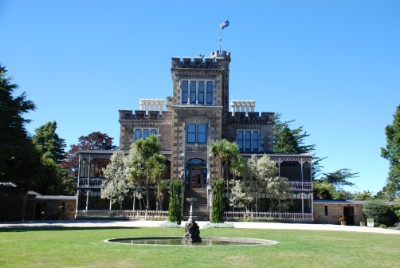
[196,173]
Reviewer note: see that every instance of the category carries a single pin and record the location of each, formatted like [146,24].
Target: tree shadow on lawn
[59,228]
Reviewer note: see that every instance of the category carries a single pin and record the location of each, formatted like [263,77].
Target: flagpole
[220,40]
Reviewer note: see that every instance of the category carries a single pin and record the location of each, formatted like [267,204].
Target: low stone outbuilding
[329,211]
[50,207]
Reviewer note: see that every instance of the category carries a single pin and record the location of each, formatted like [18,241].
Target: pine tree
[19,160]
[48,142]
[392,153]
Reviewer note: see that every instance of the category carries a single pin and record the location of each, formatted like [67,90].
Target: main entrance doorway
[196,173]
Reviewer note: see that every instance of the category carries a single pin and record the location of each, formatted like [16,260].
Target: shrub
[381,212]
[175,201]
[218,205]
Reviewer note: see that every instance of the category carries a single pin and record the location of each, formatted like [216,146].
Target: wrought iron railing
[124,214]
[300,186]
[281,216]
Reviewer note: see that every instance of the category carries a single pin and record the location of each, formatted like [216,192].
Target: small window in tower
[192,91]
[239,139]
[202,133]
[138,134]
[145,133]
[191,133]
[201,92]
[248,141]
[255,140]
[153,132]
[209,92]
[184,91]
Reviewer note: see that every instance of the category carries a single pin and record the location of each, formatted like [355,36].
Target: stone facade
[329,211]
[197,114]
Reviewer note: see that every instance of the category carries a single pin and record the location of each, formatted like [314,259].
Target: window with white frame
[196,133]
[143,133]
[248,139]
[197,92]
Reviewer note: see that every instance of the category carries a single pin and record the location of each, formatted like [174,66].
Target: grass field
[86,248]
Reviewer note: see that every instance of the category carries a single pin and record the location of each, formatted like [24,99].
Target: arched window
[291,170]
[196,161]
[84,168]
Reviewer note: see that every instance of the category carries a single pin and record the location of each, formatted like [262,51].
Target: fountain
[192,230]
[192,237]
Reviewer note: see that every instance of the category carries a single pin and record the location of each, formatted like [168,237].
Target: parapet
[151,105]
[253,117]
[215,61]
[246,106]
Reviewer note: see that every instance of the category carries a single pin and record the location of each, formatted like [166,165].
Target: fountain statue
[192,230]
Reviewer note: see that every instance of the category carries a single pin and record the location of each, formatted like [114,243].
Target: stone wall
[335,210]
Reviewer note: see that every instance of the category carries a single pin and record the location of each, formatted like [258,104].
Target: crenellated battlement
[215,61]
[250,117]
[141,115]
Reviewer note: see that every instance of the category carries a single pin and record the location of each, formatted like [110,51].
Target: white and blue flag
[224,24]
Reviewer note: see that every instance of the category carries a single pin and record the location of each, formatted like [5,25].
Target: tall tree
[392,153]
[218,205]
[158,174]
[48,142]
[19,160]
[226,152]
[287,140]
[340,177]
[175,201]
[93,141]
[145,155]
[116,185]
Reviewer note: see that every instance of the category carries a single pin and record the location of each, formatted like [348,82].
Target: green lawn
[85,248]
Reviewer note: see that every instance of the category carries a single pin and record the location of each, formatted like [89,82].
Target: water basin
[179,241]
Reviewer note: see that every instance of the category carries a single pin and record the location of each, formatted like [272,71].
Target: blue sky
[333,66]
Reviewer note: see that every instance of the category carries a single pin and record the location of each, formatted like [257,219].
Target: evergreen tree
[175,201]
[392,153]
[218,205]
[287,140]
[48,142]
[19,160]
[339,177]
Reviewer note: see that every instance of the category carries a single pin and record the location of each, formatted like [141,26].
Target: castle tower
[200,98]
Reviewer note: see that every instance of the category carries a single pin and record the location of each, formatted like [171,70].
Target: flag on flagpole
[224,24]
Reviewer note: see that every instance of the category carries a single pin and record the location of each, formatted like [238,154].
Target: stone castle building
[198,113]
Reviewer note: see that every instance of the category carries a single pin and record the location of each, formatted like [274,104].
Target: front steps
[200,211]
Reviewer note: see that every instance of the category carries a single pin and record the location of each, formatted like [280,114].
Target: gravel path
[142,223]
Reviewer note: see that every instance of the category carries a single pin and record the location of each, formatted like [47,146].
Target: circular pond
[179,241]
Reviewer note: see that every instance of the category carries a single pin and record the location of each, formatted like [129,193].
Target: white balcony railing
[281,216]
